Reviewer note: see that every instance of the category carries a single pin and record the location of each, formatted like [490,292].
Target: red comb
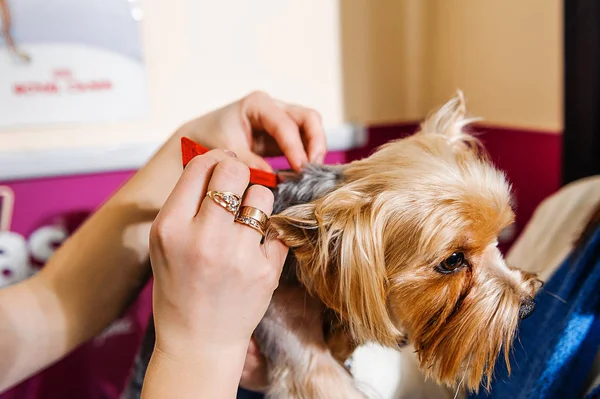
[190,149]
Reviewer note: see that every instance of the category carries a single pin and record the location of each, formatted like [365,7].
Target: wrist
[178,338]
[191,350]
[201,372]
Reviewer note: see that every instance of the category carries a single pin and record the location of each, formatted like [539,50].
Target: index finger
[312,128]
[264,113]
[276,252]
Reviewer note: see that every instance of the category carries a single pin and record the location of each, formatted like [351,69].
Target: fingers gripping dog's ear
[338,244]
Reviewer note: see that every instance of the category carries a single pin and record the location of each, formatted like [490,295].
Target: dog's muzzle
[526,309]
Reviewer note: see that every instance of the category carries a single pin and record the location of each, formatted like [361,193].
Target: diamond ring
[253,217]
[229,201]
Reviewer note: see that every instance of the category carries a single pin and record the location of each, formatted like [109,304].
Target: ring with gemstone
[228,200]
[253,217]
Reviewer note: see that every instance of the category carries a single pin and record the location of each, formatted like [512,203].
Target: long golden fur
[379,251]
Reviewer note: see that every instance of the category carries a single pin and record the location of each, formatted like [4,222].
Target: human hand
[258,126]
[213,277]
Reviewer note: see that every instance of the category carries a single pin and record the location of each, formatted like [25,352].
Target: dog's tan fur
[370,250]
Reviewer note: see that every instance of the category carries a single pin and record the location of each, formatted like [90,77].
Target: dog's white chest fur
[385,373]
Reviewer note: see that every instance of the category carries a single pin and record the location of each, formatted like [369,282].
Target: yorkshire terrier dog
[398,247]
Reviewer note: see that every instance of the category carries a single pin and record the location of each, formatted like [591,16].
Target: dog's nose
[527,306]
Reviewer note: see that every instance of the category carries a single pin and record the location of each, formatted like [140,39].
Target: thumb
[276,252]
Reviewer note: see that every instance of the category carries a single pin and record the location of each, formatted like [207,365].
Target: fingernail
[230,153]
[303,165]
[300,164]
[260,167]
[319,158]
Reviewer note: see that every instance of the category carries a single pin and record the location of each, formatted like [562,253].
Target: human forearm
[102,267]
[92,277]
[30,330]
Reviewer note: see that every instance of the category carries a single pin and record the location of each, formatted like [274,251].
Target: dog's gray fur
[313,182]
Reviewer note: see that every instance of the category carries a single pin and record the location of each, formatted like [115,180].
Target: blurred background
[373,69]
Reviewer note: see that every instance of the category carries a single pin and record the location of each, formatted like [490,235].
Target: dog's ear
[339,246]
[450,121]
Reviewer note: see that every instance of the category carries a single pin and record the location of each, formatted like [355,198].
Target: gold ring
[229,201]
[253,217]
[254,213]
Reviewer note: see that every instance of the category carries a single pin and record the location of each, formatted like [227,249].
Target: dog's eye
[452,263]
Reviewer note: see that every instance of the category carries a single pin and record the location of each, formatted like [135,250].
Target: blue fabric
[557,344]
[243,394]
